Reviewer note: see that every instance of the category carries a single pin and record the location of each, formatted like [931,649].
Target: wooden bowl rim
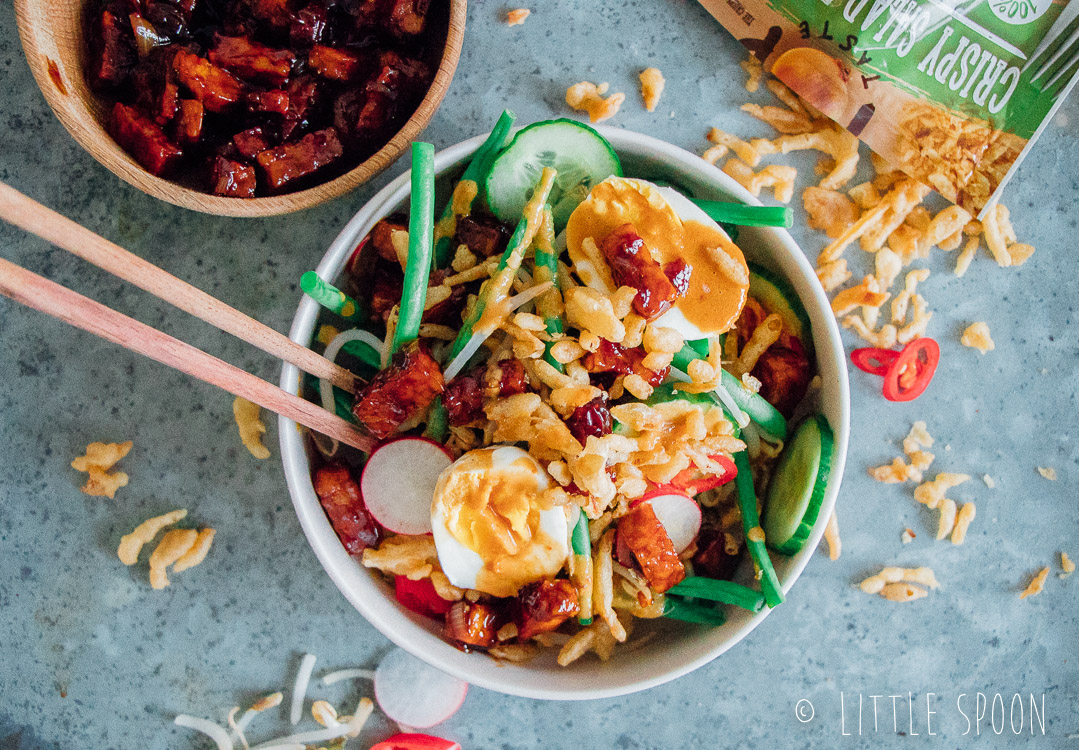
[74,115]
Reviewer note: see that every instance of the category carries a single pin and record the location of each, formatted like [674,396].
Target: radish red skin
[395,489]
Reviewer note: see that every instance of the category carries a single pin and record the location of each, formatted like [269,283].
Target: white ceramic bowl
[679,647]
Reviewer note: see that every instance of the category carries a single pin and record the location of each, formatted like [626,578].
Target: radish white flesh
[680,516]
[412,693]
[398,483]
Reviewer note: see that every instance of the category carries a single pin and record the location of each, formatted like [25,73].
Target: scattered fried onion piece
[866,293]
[783,120]
[902,592]
[173,545]
[779,178]
[962,523]
[946,523]
[725,143]
[833,275]
[976,336]
[1066,565]
[99,458]
[197,553]
[249,421]
[131,544]
[831,535]
[754,72]
[962,263]
[895,584]
[1036,584]
[517,16]
[828,210]
[836,142]
[1048,472]
[588,97]
[652,84]
[931,493]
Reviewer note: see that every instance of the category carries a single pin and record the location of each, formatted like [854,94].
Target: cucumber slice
[755,407]
[796,493]
[701,346]
[775,294]
[582,157]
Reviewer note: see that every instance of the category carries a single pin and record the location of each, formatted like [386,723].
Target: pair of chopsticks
[60,302]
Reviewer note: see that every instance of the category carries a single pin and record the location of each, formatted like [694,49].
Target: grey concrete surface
[76,623]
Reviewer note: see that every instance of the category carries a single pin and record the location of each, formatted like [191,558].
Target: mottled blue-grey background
[74,621]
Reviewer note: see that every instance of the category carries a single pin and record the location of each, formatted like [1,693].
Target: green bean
[580,541]
[679,609]
[420,239]
[747,503]
[742,215]
[437,426]
[342,399]
[330,297]
[713,589]
[684,357]
[581,544]
[364,352]
[476,173]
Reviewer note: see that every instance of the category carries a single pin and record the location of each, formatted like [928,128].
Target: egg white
[461,564]
[686,210]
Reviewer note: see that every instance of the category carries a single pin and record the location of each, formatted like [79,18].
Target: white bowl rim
[382,611]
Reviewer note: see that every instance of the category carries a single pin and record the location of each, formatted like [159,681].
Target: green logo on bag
[1019,12]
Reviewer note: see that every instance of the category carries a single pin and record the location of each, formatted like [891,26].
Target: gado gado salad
[589,406]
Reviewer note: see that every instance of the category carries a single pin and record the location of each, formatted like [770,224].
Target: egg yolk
[495,512]
[713,300]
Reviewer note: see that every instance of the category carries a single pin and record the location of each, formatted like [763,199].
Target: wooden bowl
[53,40]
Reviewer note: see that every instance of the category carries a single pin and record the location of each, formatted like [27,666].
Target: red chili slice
[689,480]
[873,360]
[920,356]
[414,741]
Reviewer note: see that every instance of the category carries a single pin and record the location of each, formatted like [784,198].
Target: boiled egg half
[492,530]
[673,228]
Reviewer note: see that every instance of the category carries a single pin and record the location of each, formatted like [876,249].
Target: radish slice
[398,483]
[679,514]
[413,693]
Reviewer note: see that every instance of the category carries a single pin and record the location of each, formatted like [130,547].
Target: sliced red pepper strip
[420,597]
[922,355]
[416,742]
[689,481]
[873,360]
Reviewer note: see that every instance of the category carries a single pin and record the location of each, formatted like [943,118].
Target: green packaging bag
[952,93]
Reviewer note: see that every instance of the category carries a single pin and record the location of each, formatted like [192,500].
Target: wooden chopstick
[24,212]
[82,312]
